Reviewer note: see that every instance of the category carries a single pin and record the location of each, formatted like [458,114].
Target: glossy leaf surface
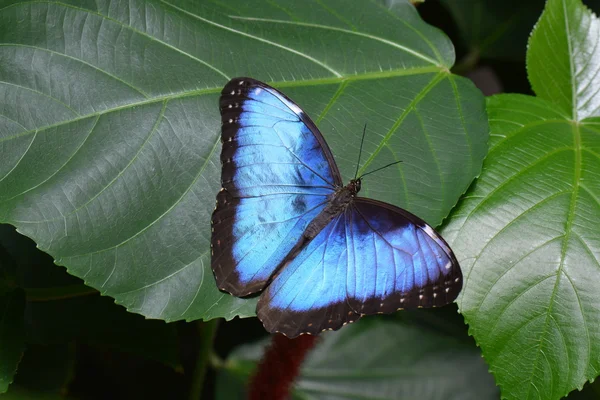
[563,61]
[110,125]
[527,233]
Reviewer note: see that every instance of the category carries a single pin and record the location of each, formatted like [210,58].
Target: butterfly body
[337,203]
[285,226]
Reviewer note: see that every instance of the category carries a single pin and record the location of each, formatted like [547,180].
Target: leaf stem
[58,292]
[206,332]
[467,63]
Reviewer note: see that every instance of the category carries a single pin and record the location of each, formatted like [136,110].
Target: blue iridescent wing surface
[309,295]
[372,258]
[277,174]
[399,261]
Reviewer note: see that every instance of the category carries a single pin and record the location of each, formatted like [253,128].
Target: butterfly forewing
[277,174]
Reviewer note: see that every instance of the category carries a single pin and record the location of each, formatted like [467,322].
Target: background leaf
[563,59]
[46,368]
[12,338]
[61,310]
[393,361]
[17,393]
[109,127]
[527,233]
[495,29]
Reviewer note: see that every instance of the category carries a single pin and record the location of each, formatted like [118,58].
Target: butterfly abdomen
[338,202]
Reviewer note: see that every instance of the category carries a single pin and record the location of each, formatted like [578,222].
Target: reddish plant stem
[279,367]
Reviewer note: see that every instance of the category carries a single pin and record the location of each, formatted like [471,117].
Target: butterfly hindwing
[398,261]
[309,295]
[371,258]
[277,175]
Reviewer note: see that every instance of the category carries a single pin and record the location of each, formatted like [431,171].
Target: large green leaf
[375,360]
[527,233]
[109,132]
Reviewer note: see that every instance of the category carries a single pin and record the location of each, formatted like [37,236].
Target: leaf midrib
[490,195]
[560,271]
[571,67]
[200,92]
[439,76]
[409,108]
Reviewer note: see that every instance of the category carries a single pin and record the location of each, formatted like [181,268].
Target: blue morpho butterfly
[285,225]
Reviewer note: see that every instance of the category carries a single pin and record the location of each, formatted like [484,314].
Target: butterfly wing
[371,258]
[277,174]
[309,294]
[399,261]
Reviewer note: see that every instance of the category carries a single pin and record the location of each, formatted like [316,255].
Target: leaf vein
[257,38]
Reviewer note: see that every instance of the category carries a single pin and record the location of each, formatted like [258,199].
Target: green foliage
[12,337]
[109,161]
[60,311]
[527,232]
[495,29]
[116,178]
[404,362]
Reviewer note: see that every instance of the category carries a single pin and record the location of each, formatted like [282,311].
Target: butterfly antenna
[379,169]
[362,140]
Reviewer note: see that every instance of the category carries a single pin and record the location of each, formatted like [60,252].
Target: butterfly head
[354,186]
